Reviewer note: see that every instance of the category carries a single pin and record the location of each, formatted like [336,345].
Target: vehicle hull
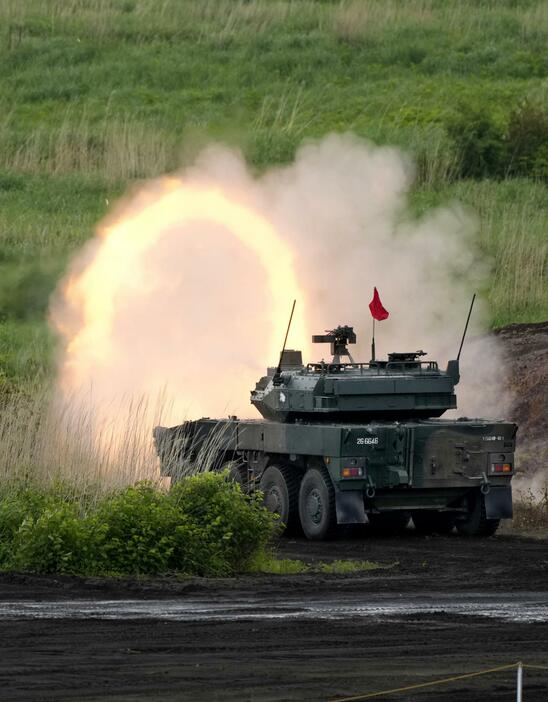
[390,466]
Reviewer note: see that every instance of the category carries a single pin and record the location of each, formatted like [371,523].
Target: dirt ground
[525,348]
[289,658]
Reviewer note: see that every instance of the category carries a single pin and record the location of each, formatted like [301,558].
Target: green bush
[205,526]
[58,541]
[223,528]
[15,507]
[487,150]
[527,142]
[137,529]
[479,143]
[25,288]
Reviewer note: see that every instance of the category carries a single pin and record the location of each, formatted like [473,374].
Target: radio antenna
[466,326]
[279,368]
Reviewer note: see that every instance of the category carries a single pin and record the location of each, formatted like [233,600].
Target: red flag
[377,310]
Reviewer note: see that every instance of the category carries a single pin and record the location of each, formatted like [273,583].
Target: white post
[519,687]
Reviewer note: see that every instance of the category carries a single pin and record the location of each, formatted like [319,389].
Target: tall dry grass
[355,19]
[116,149]
[531,510]
[211,20]
[126,148]
[358,19]
[44,440]
[513,232]
[283,113]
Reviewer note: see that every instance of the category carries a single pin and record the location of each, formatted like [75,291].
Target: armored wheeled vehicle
[349,443]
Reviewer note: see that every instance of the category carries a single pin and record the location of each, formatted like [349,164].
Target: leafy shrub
[137,531]
[223,528]
[15,507]
[41,529]
[486,150]
[204,525]
[479,143]
[11,181]
[58,541]
[26,287]
[527,142]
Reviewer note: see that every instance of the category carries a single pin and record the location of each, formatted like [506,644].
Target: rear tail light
[502,468]
[354,472]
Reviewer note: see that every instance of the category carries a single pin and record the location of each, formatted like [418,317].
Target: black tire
[317,505]
[388,523]
[432,522]
[476,523]
[280,486]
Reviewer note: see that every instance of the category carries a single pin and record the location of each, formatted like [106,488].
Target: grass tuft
[348,566]
[531,511]
[270,564]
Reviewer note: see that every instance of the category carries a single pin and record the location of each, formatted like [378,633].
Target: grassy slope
[95,93]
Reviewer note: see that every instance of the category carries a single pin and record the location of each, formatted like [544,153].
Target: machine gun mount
[339,338]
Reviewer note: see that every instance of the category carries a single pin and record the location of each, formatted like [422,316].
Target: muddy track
[416,633]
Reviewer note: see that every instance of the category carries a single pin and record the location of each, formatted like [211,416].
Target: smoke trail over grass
[187,287]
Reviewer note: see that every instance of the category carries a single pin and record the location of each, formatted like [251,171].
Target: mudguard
[350,508]
[498,502]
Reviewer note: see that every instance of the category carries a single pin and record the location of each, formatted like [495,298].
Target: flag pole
[378,313]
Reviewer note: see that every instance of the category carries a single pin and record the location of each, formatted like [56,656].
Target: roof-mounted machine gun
[338,338]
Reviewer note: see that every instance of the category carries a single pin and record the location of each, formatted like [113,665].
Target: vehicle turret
[401,387]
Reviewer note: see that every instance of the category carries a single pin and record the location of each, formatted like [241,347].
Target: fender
[498,502]
[350,508]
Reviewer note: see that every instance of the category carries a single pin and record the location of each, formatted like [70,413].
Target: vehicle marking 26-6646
[362,440]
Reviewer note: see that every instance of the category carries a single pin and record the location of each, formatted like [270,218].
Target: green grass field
[98,93]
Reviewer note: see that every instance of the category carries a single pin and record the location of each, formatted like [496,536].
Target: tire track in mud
[289,658]
[522,607]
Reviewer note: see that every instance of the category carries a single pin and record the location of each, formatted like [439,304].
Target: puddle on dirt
[522,607]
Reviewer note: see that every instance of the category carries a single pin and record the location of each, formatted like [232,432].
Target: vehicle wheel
[432,522]
[475,523]
[317,504]
[388,523]
[280,486]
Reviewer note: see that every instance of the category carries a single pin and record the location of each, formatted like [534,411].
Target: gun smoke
[186,288]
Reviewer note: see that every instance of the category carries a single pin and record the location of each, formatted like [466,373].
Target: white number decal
[362,440]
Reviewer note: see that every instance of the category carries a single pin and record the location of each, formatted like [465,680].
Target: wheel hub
[274,499]
[314,505]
